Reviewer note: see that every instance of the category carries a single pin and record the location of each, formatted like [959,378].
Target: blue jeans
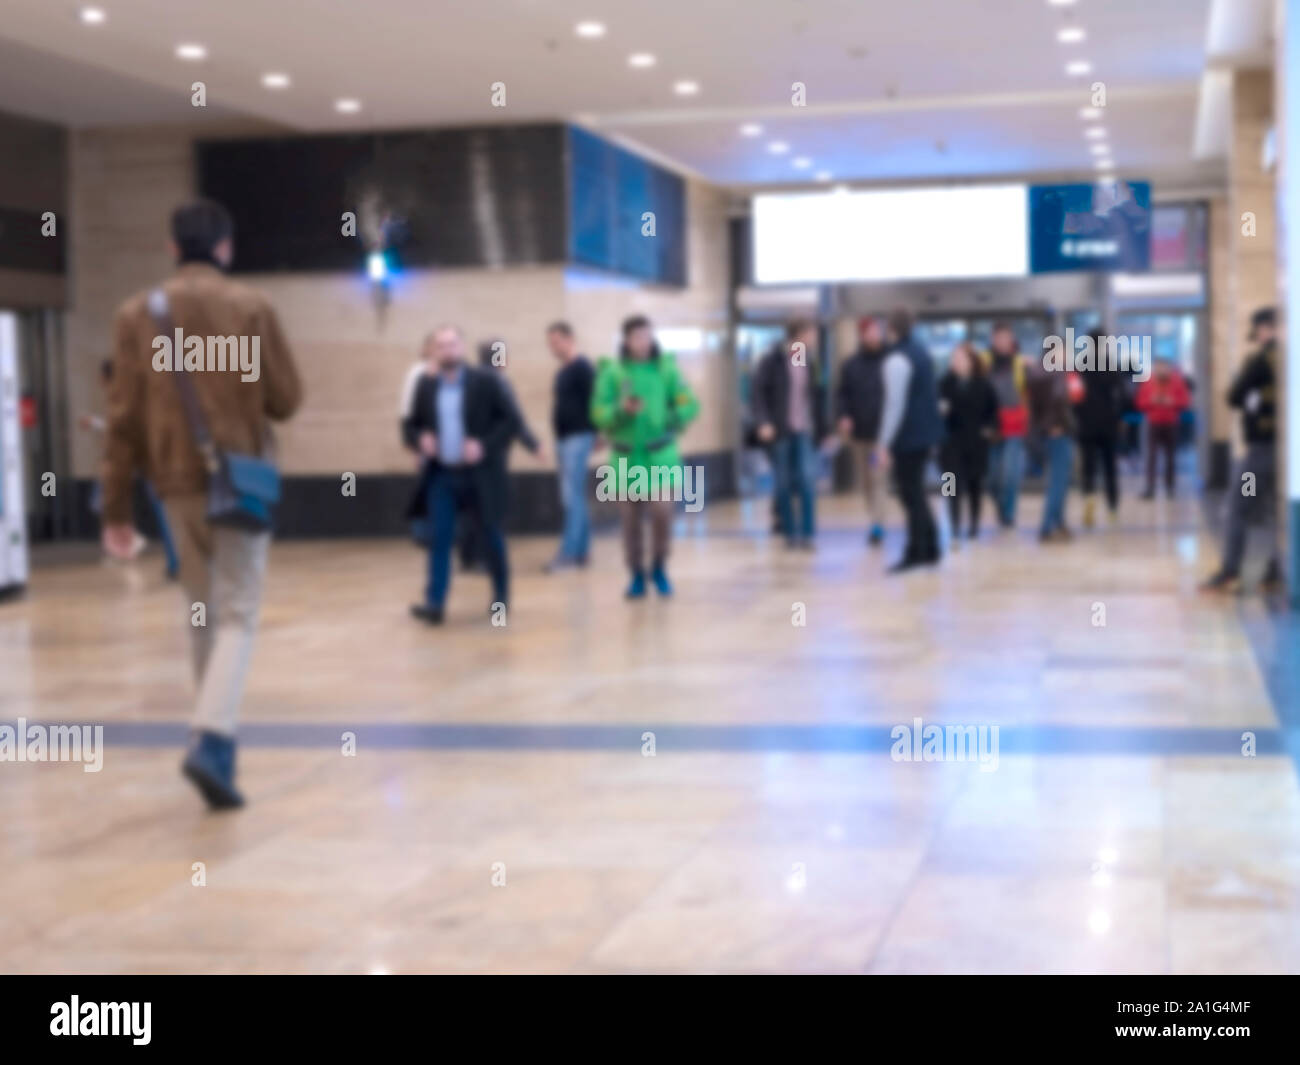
[1006,468]
[794,473]
[1059,462]
[572,452]
[451,491]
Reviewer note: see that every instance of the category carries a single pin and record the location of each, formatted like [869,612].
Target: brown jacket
[147,430]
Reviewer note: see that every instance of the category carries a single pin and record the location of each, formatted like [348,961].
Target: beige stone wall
[1223,349]
[124,184]
[1252,260]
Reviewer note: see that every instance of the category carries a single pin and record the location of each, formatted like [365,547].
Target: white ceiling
[907,89]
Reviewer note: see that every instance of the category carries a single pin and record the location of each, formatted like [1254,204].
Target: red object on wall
[27,413]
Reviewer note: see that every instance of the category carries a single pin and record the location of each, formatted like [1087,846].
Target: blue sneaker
[210,767]
[660,577]
[636,590]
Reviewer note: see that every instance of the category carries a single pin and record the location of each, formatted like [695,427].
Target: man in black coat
[858,402]
[788,400]
[461,422]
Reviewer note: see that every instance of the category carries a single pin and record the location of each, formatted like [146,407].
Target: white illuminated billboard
[891,234]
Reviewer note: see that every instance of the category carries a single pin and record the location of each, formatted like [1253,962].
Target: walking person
[1099,415]
[909,429]
[788,405]
[1052,427]
[642,404]
[575,436]
[1007,370]
[186,427]
[859,397]
[461,423]
[1252,492]
[970,415]
[1162,398]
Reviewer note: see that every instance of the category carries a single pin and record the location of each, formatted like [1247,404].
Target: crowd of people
[199,442]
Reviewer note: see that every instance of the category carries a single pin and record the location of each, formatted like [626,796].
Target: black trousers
[1100,449]
[909,479]
[1161,438]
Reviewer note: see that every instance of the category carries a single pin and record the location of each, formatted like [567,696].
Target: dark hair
[633,323]
[900,322]
[562,327]
[106,369]
[199,226]
[973,356]
[797,326]
[1003,326]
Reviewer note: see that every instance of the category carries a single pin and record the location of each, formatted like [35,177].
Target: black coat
[970,417]
[1105,398]
[1258,426]
[861,392]
[771,394]
[491,417]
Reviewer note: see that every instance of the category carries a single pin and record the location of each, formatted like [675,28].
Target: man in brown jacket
[221,567]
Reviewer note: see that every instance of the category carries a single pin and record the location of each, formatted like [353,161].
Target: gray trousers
[223,569]
[1244,510]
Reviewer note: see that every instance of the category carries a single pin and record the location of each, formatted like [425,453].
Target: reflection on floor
[503,812]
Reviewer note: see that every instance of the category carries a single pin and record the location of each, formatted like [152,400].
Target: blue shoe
[660,577]
[876,536]
[210,767]
[636,590]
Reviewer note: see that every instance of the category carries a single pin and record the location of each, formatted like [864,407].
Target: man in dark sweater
[910,427]
[574,437]
[1252,492]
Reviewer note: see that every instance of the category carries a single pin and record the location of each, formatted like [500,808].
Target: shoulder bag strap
[160,312]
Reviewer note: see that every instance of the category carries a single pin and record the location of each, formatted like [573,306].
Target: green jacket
[648,437]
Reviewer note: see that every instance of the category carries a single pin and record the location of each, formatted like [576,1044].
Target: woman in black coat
[970,414]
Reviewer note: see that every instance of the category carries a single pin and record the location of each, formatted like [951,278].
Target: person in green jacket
[642,403]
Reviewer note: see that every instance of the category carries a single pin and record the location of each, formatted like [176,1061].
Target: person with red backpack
[1162,398]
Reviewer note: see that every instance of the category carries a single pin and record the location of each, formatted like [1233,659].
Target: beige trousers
[872,480]
[223,569]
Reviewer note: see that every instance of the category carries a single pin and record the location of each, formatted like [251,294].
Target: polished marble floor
[503,811]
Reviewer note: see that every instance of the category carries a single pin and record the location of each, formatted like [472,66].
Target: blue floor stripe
[814,739]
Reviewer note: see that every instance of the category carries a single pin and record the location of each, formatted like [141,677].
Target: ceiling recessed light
[801,162]
[347,106]
[192,52]
[1071,35]
[1099,149]
[1060,3]
[275,81]
[1078,67]
[590,29]
[822,175]
[686,88]
[641,59]
[1089,113]
[750,129]
[92,16]
[1093,132]
[778,147]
